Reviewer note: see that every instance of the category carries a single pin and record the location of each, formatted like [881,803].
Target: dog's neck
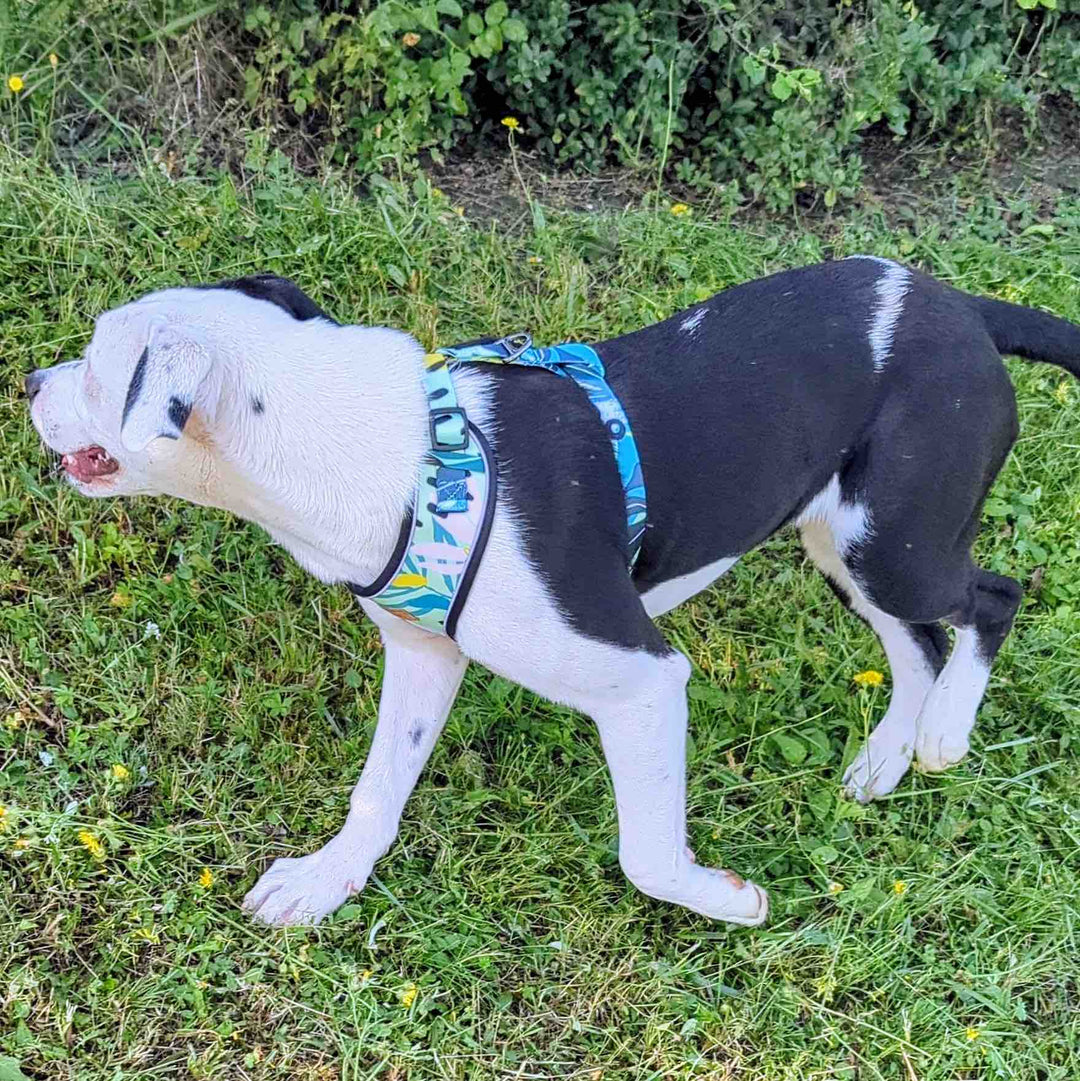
[322,449]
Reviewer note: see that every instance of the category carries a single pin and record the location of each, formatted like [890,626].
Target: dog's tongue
[89,462]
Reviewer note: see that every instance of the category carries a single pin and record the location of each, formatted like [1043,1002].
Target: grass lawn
[176,695]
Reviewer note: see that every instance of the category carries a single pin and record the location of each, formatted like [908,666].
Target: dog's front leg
[421,677]
[643,733]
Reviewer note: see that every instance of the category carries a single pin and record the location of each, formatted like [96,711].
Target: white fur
[327,469]
[643,733]
[328,466]
[849,523]
[891,288]
[948,714]
[670,594]
[886,755]
[693,321]
[420,680]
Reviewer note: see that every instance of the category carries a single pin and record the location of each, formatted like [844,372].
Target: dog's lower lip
[89,462]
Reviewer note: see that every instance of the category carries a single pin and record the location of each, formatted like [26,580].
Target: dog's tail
[1031,334]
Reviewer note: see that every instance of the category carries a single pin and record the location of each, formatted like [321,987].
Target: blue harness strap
[427,579]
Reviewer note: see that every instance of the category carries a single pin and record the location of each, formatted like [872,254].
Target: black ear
[286,294]
[167,378]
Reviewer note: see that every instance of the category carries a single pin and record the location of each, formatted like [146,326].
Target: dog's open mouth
[88,463]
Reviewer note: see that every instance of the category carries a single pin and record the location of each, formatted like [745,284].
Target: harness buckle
[515,344]
[436,417]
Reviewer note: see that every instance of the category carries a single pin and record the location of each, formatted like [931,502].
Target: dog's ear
[164,386]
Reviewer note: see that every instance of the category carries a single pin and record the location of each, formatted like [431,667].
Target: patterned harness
[443,537]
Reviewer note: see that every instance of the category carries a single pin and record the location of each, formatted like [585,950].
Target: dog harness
[444,535]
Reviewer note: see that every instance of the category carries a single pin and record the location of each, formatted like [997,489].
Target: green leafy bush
[775,97]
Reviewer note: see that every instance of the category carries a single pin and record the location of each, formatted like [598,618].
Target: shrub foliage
[774,96]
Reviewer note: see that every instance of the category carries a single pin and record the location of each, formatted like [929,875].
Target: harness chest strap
[427,579]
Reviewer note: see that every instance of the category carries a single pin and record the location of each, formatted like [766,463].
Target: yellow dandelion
[835,887]
[410,39]
[22,843]
[511,122]
[120,599]
[408,996]
[206,879]
[899,888]
[92,844]
[366,975]
[679,209]
[120,772]
[972,1034]
[53,60]
[869,678]
[15,83]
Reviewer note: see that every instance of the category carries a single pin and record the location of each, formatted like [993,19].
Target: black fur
[742,420]
[1031,334]
[557,473]
[281,292]
[135,386]
[257,406]
[179,412]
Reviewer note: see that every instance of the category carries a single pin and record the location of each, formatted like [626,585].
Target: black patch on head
[257,406]
[286,294]
[135,386]
[179,412]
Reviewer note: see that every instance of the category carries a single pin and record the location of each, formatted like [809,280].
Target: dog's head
[137,413]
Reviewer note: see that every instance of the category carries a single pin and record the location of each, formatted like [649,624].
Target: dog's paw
[720,895]
[877,768]
[301,890]
[734,899]
[936,751]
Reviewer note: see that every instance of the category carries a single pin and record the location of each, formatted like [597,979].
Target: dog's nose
[34,383]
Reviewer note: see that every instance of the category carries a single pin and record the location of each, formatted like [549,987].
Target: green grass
[246,722]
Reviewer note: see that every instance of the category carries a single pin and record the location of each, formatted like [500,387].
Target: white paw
[877,768]
[737,900]
[720,895]
[302,890]
[936,751]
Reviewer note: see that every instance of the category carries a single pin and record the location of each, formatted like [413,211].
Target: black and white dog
[858,400]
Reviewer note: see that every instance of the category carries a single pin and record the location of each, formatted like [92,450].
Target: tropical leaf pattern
[582,364]
[455,485]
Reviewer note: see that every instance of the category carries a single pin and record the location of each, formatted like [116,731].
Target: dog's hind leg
[923,496]
[948,714]
[916,654]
